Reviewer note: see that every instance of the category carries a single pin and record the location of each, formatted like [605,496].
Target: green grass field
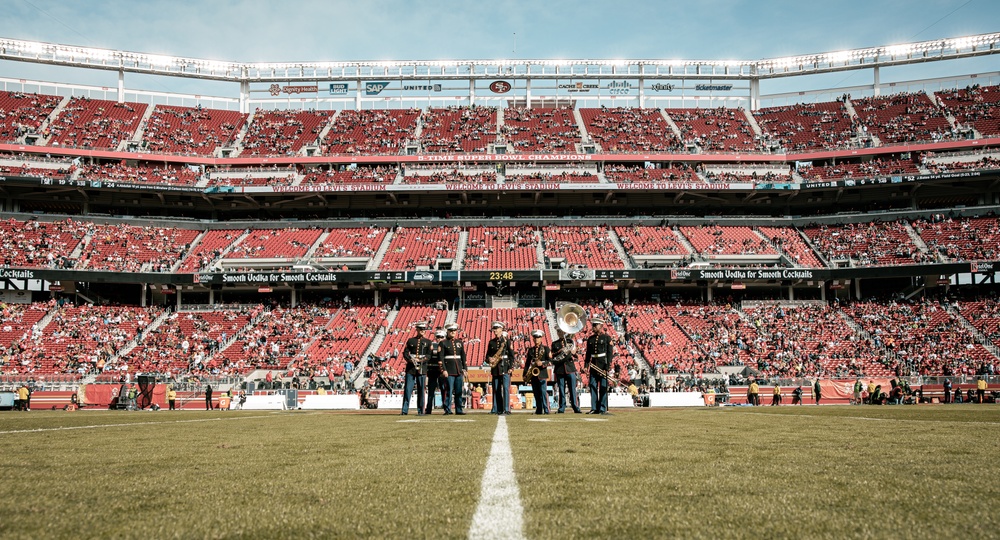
[812,472]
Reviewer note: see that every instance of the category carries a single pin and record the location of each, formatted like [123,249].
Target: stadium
[280,245]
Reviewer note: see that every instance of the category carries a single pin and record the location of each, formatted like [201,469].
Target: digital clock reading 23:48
[498,276]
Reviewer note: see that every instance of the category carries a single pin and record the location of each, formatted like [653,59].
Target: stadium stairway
[237,147]
[190,249]
[539,249]
[463,242]
[232,245]
[917,240]
[134,342]
[672,124]
[581,125]
[376,261]
[140,131]
[44,141]
[981,338]
[866,335]
[684,241]
[312,249]
[753,124]
[819,254]
[357,379]
[939,105]
[326,130]
[629,263]
[236,335]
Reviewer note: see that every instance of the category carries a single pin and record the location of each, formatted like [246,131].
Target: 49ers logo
[500,87]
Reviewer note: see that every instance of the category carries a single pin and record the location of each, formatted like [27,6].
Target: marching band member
[536,369]
[564,360]
[600,355]
[435,379]
[498,355]
[453,368]
[415,353]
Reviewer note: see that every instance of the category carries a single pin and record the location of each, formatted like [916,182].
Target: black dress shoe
[560,412]
[446,413]
[606,413]
[402,414]
[461,413]
[577,412]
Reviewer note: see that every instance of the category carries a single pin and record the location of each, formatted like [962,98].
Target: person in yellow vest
[172,398]
[871,390]
[22,396]
[776,397]
[321,390]
[752,393]
[980,389]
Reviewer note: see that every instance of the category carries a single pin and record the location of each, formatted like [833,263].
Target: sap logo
[375,88]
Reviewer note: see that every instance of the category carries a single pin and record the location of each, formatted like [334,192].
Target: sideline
[98,426]
[499,513]
[874,419]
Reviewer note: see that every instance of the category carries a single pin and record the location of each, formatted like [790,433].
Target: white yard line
[500,513]
[99,426]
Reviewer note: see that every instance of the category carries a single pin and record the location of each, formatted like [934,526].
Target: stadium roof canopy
[138,62]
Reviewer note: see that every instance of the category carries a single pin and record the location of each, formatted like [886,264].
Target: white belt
[600,355]
[452,357]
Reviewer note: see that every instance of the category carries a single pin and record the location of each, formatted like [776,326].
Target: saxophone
[536,370]
[494,361]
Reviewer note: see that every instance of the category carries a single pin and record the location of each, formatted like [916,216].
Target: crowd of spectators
[40,244]
[976,106]
[22,113]
[413,247]
[509,248]
[903,118]
[371,132]
[680,172]
[455,176]
[923,337]
[805,127]
[95,123]
[961,239]
[587,247]
[628,130]
[540,130]
[132,248]
[459,129]
[361,174]
[146,173]
[716,130]
[283,133]
[190,130]
[875,243]
[553,178]
[868,169]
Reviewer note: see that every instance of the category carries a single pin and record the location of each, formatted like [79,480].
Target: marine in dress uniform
[599,358]
[453,368]
[564,362]
[416,351]
[538,356]
[435,379]
[500,371]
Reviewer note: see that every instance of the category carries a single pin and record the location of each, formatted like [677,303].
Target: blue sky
[257,30]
